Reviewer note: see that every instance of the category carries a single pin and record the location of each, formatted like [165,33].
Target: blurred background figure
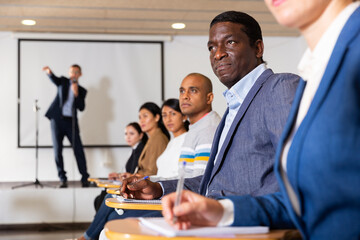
[62,113]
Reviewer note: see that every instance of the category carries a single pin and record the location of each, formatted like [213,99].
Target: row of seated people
[317,161]
[245,146]
[161,157]
[153,156]
[241,154]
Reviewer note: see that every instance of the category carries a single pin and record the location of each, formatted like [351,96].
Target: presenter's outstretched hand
[47,70]
[138,188]
[194,209]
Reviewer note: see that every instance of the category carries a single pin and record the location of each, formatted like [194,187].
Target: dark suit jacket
[132,162]
[246,159]
[323,164]
[55,109]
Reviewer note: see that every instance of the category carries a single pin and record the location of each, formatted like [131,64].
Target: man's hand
[75,88]
[193,210]
[47,70]
[144,189]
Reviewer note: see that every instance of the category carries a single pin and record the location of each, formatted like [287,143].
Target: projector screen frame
[19,145]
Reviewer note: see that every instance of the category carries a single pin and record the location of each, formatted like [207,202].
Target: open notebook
[161,226]
[121,199]
[115,182]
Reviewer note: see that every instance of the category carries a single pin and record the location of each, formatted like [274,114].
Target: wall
[183,54]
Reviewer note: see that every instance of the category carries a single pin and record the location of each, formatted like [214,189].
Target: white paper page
[115,182]
[161,226]
[121,199]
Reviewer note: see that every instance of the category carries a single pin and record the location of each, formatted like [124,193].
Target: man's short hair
[76,66]
[250,26]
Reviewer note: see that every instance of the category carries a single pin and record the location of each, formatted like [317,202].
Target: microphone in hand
[73,80]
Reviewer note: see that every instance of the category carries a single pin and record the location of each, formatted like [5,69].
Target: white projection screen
[119,76]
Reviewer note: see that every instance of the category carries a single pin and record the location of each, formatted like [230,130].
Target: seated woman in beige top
[151,123]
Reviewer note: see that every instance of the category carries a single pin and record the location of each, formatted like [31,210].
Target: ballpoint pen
[179,187]
[141,179]
[132,183]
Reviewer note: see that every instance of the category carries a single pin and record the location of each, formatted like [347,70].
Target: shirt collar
[199,122]
[135,146]
[323,49]
[238,92]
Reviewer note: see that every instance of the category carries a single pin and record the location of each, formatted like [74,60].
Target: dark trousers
[105,214]
[60,129]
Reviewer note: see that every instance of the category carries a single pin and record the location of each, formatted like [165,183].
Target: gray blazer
[246,159]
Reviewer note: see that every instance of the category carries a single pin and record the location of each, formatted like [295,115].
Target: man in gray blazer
[242,155]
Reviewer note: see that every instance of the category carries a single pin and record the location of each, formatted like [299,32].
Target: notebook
[161,226]
[115,182]
[154,201]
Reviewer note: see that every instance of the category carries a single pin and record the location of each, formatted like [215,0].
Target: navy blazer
[323,164]
[246,159]
[63,84]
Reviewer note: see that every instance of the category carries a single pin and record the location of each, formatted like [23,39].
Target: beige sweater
[154,147]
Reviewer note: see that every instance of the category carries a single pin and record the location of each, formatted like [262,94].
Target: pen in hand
[131,184]
[141,179]
[179,187]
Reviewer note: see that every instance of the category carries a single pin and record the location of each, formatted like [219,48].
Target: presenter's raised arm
[47,70]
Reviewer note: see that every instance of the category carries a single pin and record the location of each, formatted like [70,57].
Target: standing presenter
[62,113]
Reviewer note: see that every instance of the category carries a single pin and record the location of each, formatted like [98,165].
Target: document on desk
[126,200]
[115,182]
[161,226]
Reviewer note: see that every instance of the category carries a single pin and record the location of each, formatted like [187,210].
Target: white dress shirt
[311,68]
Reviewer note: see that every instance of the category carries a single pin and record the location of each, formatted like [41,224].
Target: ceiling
[146,17]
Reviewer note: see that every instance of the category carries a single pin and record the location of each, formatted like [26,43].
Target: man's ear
[209,98]
[259,47]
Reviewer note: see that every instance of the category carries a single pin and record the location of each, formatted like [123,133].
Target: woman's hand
[193,210]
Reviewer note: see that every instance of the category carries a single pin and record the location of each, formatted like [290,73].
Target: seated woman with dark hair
[176,123]
[136,139]
[167,163]
[150,120]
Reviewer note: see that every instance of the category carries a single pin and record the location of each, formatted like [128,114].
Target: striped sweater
[197,144]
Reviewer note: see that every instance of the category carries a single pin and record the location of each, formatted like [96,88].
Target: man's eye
[210,48]
[231,42]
